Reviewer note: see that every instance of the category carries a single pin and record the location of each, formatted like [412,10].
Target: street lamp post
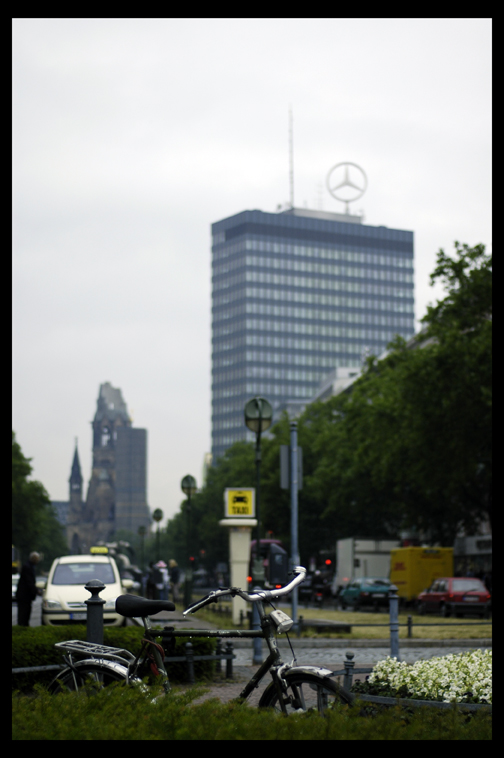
[157,516]
[258,417]
[188,486]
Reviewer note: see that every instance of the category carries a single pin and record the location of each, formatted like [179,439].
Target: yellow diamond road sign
[239,503]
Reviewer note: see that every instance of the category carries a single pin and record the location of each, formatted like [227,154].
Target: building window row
[321,330]
[345,332]
[286,280]
[357,255]
[241,307]
[272,390]
[403,324]
[329,269]
[314,314]
[311,267]
[285,390]
[268,356]
[291,374]
[313,297]
[225,375]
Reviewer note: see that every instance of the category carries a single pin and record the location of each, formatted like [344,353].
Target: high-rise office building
[295,295]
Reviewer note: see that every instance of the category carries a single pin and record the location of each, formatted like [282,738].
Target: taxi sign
[239,503]
[99,550]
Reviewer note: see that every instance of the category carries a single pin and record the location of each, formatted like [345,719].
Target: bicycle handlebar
[213,596]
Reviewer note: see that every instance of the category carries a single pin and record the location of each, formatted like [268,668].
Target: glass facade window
[295,296]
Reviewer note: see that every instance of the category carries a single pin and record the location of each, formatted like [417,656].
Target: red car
[455,594]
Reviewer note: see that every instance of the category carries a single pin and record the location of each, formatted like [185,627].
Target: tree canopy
[34,523]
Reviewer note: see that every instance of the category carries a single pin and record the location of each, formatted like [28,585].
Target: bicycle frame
[267,632]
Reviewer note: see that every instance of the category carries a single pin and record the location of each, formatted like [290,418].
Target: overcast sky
[131,136]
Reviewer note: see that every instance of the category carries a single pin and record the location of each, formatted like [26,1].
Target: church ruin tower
[117,492]
[75,504]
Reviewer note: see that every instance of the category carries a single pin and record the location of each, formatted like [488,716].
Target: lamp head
[258,414]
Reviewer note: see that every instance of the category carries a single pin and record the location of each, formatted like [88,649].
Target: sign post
[239,512]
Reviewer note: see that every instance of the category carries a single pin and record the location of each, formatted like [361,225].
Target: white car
[64,596]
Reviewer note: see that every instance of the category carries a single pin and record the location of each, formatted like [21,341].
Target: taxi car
[454,594]
[64,593]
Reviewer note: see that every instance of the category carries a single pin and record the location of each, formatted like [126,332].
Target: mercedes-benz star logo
[349,180]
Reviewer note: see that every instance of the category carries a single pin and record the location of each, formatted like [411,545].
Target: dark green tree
[34,523]
[410,445]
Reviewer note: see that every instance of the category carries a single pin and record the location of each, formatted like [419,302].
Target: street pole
[189,488]
[258,483]
[294,513]
[258,418]
[188,579]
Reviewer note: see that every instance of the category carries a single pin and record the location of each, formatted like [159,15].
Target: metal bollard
[218,653]
[229,661]
[256,624]
[394,622]
[95,605]
[349,665]
[410,627]
[299,625]
[190,662]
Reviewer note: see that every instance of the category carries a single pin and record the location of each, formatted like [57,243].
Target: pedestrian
[162,586]
[174,579]
[27,589]
[151,582]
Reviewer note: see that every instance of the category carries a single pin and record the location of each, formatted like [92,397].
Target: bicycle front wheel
[306,692]
[89,674]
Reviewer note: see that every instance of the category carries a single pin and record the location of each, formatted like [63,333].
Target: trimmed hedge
[118,714]
[34,646]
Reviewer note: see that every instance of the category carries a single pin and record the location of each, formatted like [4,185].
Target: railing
[189,658]
[94,626]
[337,626]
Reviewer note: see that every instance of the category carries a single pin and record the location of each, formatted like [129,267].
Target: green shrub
[127,714]
[34,646]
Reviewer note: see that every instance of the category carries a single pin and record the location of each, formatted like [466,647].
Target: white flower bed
[448,678]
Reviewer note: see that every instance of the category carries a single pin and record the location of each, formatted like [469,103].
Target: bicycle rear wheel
[89,674]
[306,692]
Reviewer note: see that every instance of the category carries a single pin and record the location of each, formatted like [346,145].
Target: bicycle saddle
[130,605]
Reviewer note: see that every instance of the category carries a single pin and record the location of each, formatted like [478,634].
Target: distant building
[295,295]
[117,492]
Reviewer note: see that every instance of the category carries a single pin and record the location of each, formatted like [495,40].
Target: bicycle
[292,689]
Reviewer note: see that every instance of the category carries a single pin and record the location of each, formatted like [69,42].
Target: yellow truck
[413,569]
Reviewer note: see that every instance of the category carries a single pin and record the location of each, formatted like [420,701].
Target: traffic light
[278,565]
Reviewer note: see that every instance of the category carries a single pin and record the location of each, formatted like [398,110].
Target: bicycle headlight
[282,622]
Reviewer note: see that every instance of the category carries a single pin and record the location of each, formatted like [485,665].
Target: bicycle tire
[307,692]
[93,674]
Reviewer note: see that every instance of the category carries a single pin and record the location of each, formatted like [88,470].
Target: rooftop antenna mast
[291,160]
